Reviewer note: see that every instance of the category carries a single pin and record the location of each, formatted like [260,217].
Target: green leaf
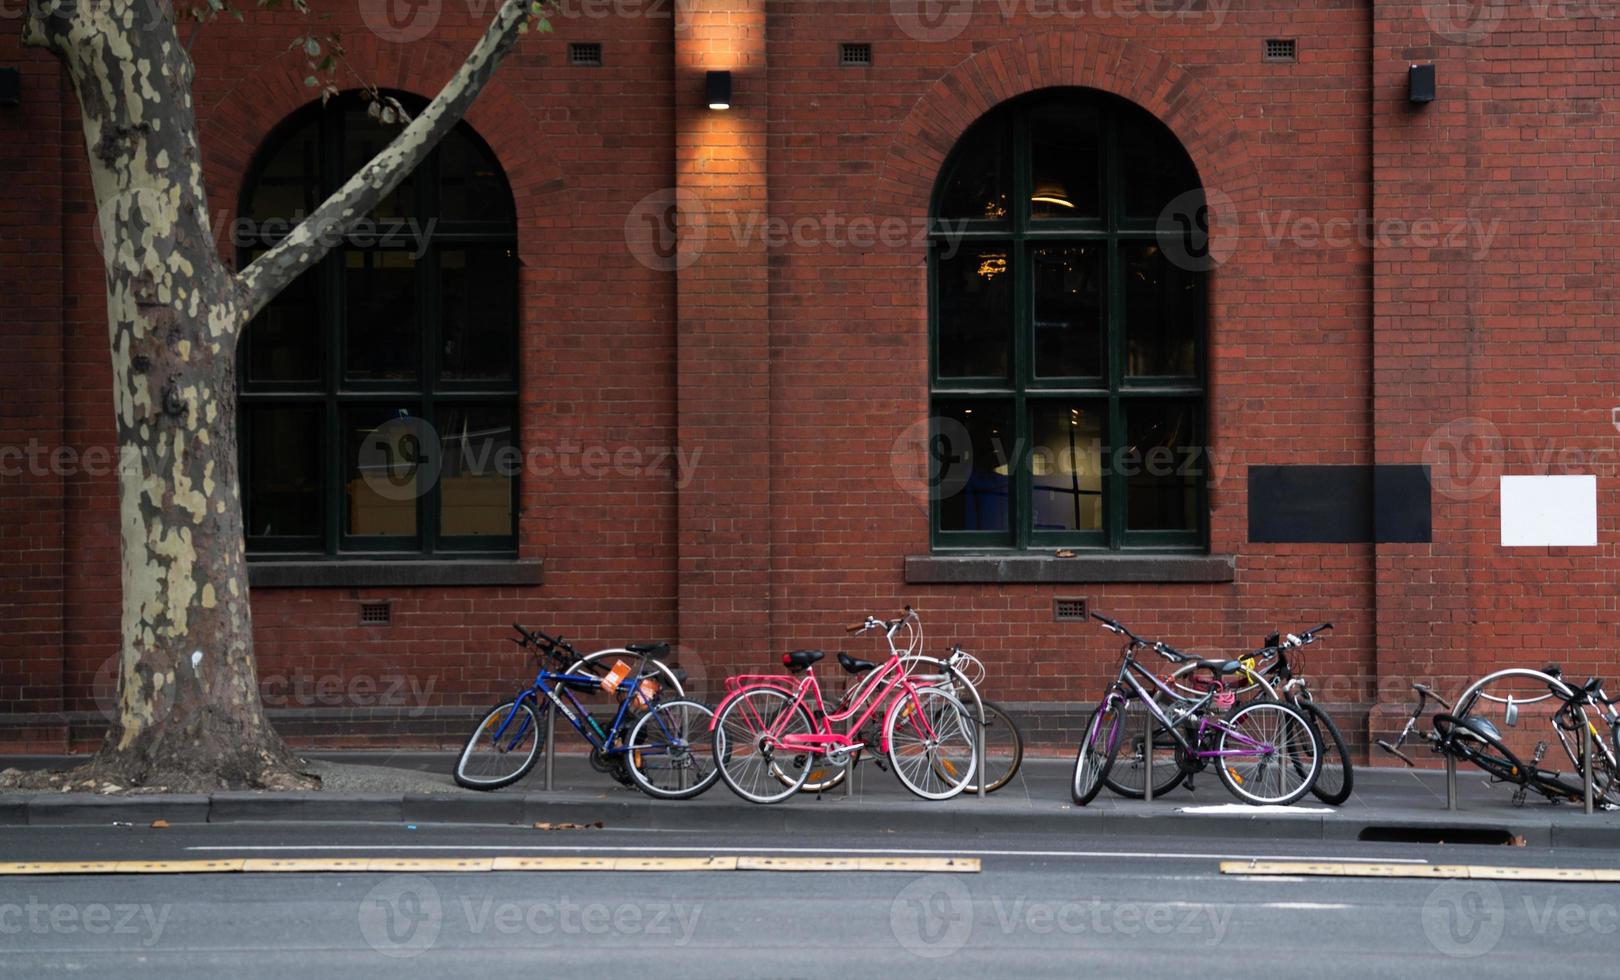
[544,26]
[312,81]
[312,47]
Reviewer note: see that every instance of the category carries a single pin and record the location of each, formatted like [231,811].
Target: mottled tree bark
[189,709]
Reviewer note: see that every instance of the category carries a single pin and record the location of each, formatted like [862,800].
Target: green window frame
[401,346]
[1061,196]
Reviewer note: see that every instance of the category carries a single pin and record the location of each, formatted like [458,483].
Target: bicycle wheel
[503,748]
[1097,750]
[745,752]
[1273,757]
[1337,778]
[1604,786]
[665,751]
[598,665]
[1003,748]
[930,742]
[1476,744]
[1126,776]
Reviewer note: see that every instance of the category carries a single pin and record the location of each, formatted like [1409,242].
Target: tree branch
[316,235]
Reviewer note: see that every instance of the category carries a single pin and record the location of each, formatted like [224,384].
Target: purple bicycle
[1265,752]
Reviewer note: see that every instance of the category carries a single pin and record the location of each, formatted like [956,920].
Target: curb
[957,818]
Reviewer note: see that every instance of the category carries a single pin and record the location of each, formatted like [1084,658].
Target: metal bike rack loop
[1147,754]
[1476,691]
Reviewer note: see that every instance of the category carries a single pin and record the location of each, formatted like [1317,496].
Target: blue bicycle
[648,744]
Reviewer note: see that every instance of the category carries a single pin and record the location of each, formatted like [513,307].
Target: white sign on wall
[1541,511]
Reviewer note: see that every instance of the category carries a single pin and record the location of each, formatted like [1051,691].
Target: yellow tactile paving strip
[914,865]
[1367,869]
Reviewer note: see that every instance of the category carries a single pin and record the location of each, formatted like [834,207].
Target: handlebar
[1113,626]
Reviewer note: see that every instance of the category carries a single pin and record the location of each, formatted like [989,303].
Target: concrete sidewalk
[1389,804]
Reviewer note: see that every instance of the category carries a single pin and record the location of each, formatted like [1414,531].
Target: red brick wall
[795,368]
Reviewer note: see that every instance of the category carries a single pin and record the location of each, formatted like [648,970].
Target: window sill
[404,572]
[999,568]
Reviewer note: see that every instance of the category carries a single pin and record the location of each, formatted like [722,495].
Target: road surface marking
[653,849]
[1367,869]
[259,865]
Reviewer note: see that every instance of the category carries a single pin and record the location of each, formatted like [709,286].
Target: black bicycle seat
[801,659]
[656,651]
[1220,666]
[853,665]
[1483,726]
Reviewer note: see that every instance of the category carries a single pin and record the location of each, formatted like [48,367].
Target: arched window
[1066,369]
[379,392]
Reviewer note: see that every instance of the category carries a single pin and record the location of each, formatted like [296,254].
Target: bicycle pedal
[1541,750]
[1520,794]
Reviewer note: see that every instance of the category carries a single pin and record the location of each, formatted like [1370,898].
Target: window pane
[471,185]
[384,337]
[975,312]
[291,178]
[1152,164]
[363,138]
[1162,313]
[476,484]
[283,476]
[1162,463]
[968,463]
[977,187]
[284,341]
[478,317]
[1065,152]
[1068,311]
[390,463]
[1065,466]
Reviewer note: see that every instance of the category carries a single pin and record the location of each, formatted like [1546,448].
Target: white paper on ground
[1247,808]
[1541,511]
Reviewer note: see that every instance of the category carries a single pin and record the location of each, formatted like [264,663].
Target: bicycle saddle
[1483,726]
[853,665]
[801,659]
[656,651]
[1219,666]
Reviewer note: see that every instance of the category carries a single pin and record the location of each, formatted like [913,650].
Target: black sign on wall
[1339,504]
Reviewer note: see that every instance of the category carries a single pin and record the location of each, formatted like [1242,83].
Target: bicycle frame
[877,690]
[1190,707]
[554,687]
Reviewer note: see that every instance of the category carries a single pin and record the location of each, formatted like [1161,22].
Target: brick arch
[233,128]
[1053,59]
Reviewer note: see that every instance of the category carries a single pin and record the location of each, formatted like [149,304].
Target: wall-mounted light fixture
[1420,84]
[10,86]
[717,88]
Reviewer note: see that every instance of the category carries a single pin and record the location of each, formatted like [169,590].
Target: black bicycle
[1472,738]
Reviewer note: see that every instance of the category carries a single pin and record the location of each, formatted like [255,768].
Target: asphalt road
[1042,906]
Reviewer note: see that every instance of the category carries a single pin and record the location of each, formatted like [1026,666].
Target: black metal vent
[1278,49]
[855,55]
[1069,610]
[585,53]
[376,613]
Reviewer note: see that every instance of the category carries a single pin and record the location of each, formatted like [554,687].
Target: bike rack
[1147,756]
[551,747]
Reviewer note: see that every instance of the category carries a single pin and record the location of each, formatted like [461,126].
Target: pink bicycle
[770,729]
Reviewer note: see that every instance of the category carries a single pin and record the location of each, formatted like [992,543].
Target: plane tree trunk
[189,712]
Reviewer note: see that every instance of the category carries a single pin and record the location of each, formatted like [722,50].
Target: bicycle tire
[687,722]
[999,767]
[1456,736]
[1290,728]
[732,738]
[948,758]
[1098,746]
[1125,776]
[533,734]
[1335,758]
[588,664]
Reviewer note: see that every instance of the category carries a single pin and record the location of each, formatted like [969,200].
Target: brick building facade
[724,324]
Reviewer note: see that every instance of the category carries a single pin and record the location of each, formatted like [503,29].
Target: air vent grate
[855,55]
[376,613]
[1068,610]
[1278,49]
[585,53]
